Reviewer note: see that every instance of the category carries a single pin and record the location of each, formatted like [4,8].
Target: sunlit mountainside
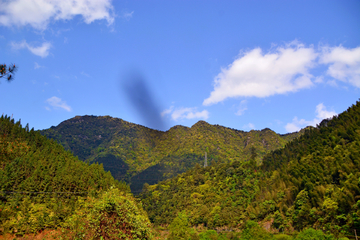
[139,155]
[257,184]
[45,187]
[313,182]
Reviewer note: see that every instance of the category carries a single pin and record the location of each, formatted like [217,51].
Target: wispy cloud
[185,113]
[127,15]
[56,103]
[167,111]
[42,51]
[38,13]
[85,74]
[321,113]
[255,74]
[241,108]
[37,66]
[249,126]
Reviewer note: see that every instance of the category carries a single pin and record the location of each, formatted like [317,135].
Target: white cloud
[127,15]
[167,111]
[261,75]
[42,51]
[38,13]
[297,124]
[344,63]
[56,102]
[85,74]
[319,79]
[249,126]
[321,113]
[242,108]
[185,113]
[37,66]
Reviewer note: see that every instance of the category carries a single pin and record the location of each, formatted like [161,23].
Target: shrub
[209,235]
[312,234]
[282,237]
[179,228]
[111,216]
[253,231]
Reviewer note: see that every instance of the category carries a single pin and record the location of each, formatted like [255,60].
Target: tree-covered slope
[32,162]
[42,185]
[314,181]
[141,155]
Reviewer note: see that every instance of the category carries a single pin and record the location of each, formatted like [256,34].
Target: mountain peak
[200,124]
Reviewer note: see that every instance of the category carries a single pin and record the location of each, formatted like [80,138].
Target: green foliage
[31,217]
[179,228]
[7,72]
[111,216]
[301,210]
[279,222]
[42,185]
[215,196]
[253,156]
[282,237]
[312,234]
[209,235]
[139,155]
[253,231]
[313,182]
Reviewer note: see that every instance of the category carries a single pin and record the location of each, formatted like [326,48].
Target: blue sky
[241,64]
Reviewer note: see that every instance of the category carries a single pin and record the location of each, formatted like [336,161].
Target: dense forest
[43,186]
[139,155]
[257,185]
[313,182]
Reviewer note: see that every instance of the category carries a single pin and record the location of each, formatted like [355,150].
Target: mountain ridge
[313,182]
[127,150]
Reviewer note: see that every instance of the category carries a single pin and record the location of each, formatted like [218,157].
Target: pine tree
[8,73]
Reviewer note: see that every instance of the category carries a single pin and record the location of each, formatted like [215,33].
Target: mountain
[314,181]
[139,155]
[43,186]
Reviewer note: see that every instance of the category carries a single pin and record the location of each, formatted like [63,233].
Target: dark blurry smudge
[134,87]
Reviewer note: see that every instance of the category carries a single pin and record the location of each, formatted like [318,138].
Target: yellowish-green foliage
[138,154]
[180,228]
[216,196]
[113,215]
[313,182]
[42,185]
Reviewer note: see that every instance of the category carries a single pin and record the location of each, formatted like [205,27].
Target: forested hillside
[314,181]
[44,186]
[141,155]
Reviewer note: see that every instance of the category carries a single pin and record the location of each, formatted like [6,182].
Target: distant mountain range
[138,155]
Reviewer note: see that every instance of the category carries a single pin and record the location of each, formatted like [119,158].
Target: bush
[209,235]
[112,216]
[253,231]
[312,234]
[282,237]
[179,228]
